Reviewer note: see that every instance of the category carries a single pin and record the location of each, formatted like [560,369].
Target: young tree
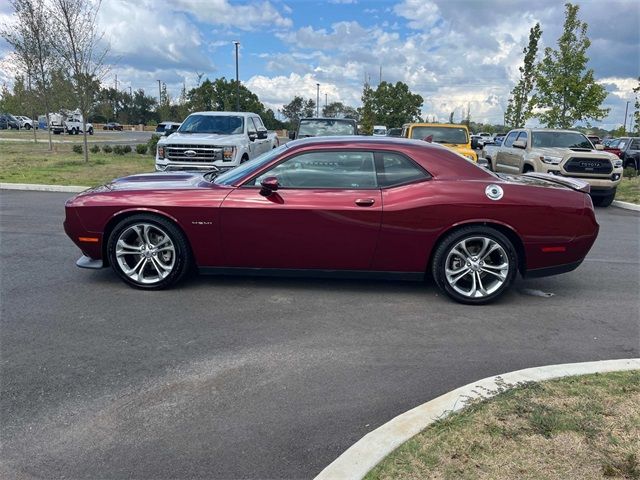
[520,107]
[31,38]
[566,91]
[298,108]
[367,113]
[79,46]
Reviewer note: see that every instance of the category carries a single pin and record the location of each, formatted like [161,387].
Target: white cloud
[244,17]
[421,14]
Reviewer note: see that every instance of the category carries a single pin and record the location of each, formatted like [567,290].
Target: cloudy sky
[452,52]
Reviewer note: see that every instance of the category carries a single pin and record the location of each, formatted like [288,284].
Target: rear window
[440,134]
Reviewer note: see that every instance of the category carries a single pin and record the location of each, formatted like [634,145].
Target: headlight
[471,157]
[228,153]
[551,160]
[161,152]
[617,164]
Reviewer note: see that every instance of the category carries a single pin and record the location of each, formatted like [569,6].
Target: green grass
[584,427]
[629,190]
[34,163]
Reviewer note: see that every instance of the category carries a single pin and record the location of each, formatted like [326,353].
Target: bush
[630,172]
[77,148]
[118,150]
[141,149]
[107,149]
[151,144]
[94,149]
[127,149]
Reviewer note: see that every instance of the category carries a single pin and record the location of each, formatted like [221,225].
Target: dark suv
[630,152]
[8,121]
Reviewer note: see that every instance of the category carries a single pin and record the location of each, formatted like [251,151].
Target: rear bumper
[549,271]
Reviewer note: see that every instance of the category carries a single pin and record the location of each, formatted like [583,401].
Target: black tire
[179,259]
[527,169]
[604,201]
[90,131]
[27,127]
[480,269]
[244,158]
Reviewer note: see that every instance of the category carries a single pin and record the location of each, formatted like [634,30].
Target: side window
[258,122]
[635,145]
[508,142]
[523,137]
[339,169]
[395,169]
[251,127]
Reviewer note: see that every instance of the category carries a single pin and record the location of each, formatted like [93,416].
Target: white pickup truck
[214,140]
[565,153]
[69,122]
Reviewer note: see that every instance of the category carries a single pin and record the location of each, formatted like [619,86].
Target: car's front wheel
[475,265]
[149,252]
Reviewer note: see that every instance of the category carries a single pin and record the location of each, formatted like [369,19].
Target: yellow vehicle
[456,137]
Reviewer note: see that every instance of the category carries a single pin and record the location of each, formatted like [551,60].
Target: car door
[263,143]
[325,215]
[505,156]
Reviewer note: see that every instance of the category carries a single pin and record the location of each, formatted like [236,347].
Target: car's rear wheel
[149,252]
[475,265]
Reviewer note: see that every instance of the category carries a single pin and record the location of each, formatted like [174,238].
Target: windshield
[221,124]
[560,139]
[441,134]
[232,176]
[380,131]
[325,127]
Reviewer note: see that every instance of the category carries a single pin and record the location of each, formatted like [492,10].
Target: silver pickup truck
[565,153]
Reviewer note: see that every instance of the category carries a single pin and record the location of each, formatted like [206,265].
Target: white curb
[42,188]
[626,205]
[371,449]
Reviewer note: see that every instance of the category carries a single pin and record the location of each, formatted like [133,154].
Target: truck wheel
[604,201]
[527,169]
[27,127]
[244,158]
[90,131]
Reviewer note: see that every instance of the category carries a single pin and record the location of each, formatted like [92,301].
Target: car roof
[446,125]
[360,140]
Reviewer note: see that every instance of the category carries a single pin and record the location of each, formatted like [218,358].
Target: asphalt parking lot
[257,377]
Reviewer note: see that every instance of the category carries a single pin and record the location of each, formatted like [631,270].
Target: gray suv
[630,152]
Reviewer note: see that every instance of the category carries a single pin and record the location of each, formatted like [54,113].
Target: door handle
[365,202]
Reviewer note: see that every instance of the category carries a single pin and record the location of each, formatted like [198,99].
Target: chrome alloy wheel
[476,267]
[145,253]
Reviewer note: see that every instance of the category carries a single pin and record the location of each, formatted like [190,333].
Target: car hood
[201,138]
[562,152]
[153,181]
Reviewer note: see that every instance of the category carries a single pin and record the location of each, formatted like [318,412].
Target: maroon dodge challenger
[339,206]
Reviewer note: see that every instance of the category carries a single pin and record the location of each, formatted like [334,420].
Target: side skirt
[313,273]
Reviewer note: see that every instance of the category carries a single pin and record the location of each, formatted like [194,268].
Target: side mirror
[474,143]
[599,146]
[253,136]
[292,135]
[484,163]
[262,133]
[269,185]
[520,144]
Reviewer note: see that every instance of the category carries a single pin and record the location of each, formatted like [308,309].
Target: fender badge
[493,192]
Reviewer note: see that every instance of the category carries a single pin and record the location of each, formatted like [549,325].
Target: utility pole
[159,93]
[237,44]
[317,99]
[115,105]
[626,109]
[325,100]
[380,75]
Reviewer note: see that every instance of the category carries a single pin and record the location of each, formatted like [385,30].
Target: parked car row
[627,149]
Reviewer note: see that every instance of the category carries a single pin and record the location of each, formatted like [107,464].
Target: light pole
[130,94]
[624,127]
[325,100]
[237,44]
[317,99]
[159,93]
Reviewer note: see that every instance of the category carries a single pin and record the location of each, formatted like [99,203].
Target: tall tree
[298,108]
[79,46]
[339,110]
[396,104]
[566,91]
[32,41]
[520,107]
